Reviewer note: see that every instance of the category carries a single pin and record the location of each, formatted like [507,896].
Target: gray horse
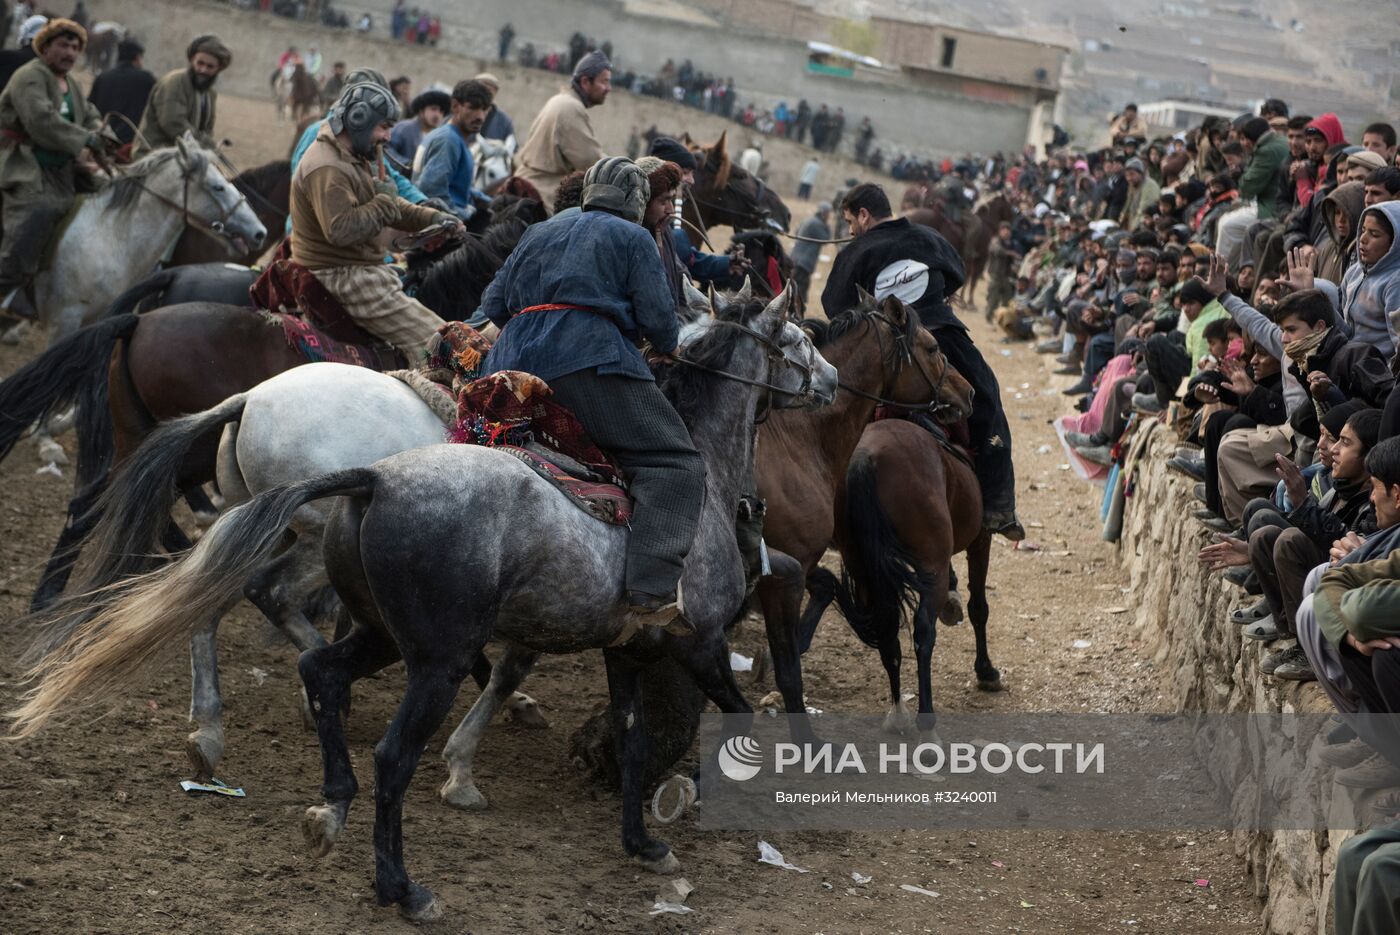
[437,550]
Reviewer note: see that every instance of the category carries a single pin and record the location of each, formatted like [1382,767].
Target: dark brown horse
[883,354]
[910,502]
[725,195]
[268,189]
[972,238]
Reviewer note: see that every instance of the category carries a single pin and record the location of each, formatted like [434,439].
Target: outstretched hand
[1216,280]
[1300,274]
[1293,480]
[1226,552]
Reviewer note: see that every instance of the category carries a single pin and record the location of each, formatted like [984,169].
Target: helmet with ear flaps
[360,109]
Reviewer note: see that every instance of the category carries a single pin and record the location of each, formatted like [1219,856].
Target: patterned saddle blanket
[314,322]
[513,412]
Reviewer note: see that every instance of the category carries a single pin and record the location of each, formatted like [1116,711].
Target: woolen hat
[1367,158]
[210,45]
[1135,164]
[58,26]
[616,184]
[592,65]
[672,150]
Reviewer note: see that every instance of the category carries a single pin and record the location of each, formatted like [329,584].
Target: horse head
[916,372]
[725,194]
[210,201]
[797,377]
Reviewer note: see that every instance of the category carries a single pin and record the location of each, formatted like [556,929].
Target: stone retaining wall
[1207,666]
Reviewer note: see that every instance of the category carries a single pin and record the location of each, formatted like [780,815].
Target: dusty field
[99,838]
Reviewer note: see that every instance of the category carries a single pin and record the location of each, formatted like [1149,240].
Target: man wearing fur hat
[47,129]
[184,99]
[561,139]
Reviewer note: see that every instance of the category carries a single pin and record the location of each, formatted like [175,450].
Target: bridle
[904,356]
[774,353]
[214,228]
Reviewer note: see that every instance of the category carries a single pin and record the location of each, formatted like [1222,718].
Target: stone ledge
[1206,666]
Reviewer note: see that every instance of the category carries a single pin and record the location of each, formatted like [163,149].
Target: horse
[273,434]
[528,568]
[909,502]
[725,194]
[303,94]
[268,189]
[990,212]
[129,372]
[885,356]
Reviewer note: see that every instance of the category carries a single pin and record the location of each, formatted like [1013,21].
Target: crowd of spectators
[1240,282]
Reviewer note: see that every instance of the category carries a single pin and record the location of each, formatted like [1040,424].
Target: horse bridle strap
[906,354]
[213,228]
[771,350]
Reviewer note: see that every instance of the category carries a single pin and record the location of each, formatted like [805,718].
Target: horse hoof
[951,614]
[898,721]
[205,748]
[665,865]
[321,825]
[991,684]
[525,711]
[463,795]
[420,905]
[51,451]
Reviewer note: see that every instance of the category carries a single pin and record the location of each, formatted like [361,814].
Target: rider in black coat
[915,264]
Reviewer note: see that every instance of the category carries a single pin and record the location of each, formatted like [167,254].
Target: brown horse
[910,502]
[725,195]
[972,238]
[884,355]
[303,94]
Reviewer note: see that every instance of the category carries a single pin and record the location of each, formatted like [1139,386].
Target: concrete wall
[166,26]
[1206,666]
[766,69]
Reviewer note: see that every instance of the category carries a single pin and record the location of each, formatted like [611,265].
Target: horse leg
[432,686]
[951,612]
[326,674]
[781,597]
[931,592]
[460,790]
[978,558]
[898,720]
[521,709]
[821,590]
[282,587]
[205,744]
[629,727]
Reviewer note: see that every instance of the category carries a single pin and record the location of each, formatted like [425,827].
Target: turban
[489,79]
[210,45]
[592,65]
[59,27]
[618,185]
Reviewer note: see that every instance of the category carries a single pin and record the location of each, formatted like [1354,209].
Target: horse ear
[182,149]
[746,290]
[721,144]
[863,297]
[894,309]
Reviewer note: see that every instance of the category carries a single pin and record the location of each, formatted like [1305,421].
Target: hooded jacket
[1260,179]
[1370,297]
[1334,256]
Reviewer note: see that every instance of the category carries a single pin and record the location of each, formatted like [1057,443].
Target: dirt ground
[99,837]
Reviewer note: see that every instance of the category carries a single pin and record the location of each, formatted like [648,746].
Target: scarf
[1300,350]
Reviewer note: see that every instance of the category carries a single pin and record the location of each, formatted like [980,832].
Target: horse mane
[685,386]
[127,188]
[848,321]
[262,178]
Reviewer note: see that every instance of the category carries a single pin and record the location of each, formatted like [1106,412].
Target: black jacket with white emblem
[909,261]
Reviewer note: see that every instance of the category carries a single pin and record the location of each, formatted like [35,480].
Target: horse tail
[880,579]
[154,284]
[64,372]
[147,613]
[132,512]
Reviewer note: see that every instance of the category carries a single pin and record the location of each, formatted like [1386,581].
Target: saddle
[314,322]
[513,412]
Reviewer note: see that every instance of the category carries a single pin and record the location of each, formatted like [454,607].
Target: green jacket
[29,120]
[1261,174]
[173,108]
[1362,598]
[1196,344]
[1139,200]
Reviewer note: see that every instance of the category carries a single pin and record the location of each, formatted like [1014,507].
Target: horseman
[48,133]
[342,200]
[561,139]
[444,167]
[703,268]
[572,301]
[184,99]
[406,189]
[915,264]
[953,190]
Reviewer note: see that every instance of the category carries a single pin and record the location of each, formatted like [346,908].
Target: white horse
[119,235]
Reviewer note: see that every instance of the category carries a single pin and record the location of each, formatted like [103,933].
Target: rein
[772,351]
[905,356]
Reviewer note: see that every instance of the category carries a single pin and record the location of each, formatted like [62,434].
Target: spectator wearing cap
[124,90]
[426,114]
[185,99]
[23,53]
[1363,163]
[561,140]
[704,268]
[1265,153]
